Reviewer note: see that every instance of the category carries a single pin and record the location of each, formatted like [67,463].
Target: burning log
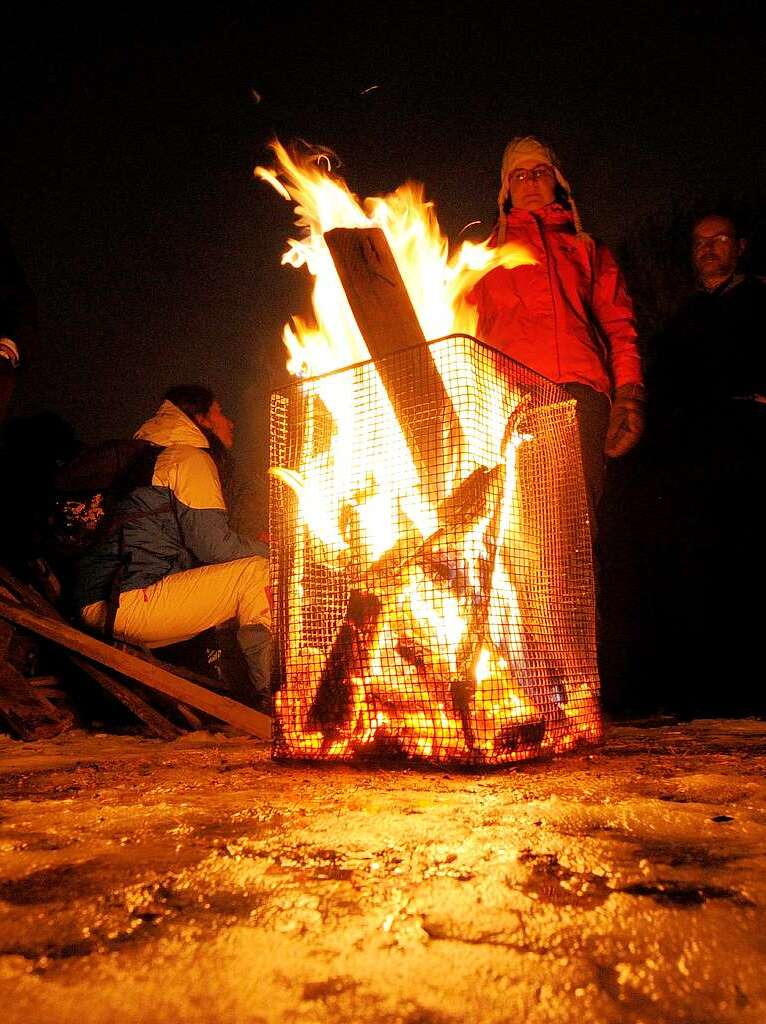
[336,698]
[387,321]
[376,293]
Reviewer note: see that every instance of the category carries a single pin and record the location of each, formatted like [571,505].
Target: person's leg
[255,643]
[184,604]
[592,413]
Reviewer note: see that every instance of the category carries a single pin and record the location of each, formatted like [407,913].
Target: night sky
[129,145]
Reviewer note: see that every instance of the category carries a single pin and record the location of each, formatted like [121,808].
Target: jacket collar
[552,215]
[171,426]
[725,286]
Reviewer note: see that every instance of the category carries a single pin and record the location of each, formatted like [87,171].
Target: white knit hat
[524,147]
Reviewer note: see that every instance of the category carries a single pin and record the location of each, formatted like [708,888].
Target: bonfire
[431,556]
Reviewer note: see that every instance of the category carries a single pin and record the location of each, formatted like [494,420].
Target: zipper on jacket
[544,240]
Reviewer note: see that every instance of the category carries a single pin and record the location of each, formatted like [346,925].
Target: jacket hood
[171,426]
[552,217]
[528,146]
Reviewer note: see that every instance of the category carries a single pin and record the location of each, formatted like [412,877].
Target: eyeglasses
[700,243]
[534,173]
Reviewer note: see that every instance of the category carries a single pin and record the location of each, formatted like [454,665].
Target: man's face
[218,423]
[532,184]
[715,248]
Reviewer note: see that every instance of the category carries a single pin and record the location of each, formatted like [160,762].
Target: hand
[9,351]
[626,420]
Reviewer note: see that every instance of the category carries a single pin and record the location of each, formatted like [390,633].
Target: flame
[354,508]
[437,283]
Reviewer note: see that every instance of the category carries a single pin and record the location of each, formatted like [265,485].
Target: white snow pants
[185,604]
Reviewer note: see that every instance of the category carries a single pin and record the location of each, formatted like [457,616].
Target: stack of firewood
[164,700]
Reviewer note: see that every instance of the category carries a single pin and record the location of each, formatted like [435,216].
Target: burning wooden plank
[375,291]
[387,321]
[424,411]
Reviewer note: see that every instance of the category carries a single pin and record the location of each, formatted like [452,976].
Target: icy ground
[196,881]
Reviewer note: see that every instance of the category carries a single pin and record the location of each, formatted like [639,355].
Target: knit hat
[525,147]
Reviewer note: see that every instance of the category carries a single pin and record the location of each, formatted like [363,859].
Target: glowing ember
[432,571]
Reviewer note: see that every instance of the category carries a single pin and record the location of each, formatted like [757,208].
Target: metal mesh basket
[431,562]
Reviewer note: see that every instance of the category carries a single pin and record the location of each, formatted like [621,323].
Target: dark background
[130,136]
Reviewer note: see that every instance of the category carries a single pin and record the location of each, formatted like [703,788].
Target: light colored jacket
[173,522]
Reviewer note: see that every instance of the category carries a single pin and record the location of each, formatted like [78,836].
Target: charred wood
[346,665]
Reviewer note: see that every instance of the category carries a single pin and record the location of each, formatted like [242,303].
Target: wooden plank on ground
[151,675]
[155,722]
[6,635]
[28,714]
[27,594]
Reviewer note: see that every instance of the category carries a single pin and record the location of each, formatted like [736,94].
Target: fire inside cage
[431,560]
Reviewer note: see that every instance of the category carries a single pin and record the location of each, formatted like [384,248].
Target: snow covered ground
[197,881]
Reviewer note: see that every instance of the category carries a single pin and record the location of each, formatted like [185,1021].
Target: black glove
[626,420]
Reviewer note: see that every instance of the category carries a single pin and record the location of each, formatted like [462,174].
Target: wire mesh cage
[431,562]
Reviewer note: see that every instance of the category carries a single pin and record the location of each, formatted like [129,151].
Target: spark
[470,224]
[370,88]
[256,95]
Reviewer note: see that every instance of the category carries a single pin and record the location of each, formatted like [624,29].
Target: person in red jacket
[568,316]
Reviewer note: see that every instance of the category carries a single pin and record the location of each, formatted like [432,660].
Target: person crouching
[170,566]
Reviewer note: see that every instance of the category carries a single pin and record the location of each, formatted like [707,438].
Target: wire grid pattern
[431,562]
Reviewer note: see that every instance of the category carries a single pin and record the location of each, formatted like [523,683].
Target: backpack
[86,490]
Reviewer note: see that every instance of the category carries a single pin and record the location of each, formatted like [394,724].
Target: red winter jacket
[569,316]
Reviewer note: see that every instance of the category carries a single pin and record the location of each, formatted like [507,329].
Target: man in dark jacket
[171,567]
[708,431]
[712,357]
